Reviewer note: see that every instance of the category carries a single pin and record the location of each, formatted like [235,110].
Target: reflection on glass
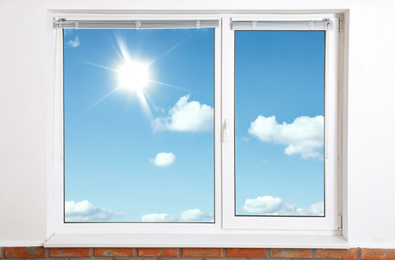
[279,110]
[138,125]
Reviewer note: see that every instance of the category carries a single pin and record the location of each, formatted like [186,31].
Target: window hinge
[339,222]
[340,25]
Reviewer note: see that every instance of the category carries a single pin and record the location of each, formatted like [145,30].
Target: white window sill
[197,240]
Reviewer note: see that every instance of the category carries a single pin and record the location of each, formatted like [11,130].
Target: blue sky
[279,77]
[146,153]
[118,156]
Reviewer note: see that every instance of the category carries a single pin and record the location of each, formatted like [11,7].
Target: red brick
[164,252]
[60,259]
[24,252]
[369,253]
[336,253]
[140,258]
[201,252]
[246,252]
[291,253]
[113,252]
[69,252]
[88,259]
[184,258]
[230,259]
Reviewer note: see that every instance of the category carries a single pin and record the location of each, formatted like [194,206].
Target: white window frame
[57,208]
[227,231]
[328,223]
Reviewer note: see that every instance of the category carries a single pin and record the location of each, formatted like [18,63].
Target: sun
[133,75]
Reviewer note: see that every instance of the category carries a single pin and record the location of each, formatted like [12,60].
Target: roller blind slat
[322,25]
[136,24]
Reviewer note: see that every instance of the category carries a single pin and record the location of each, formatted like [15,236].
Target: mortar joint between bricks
[358,253]
[312,253]
[268,253]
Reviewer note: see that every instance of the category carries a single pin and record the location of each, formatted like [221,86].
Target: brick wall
[40,253]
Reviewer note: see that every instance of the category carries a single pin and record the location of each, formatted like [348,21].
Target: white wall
[22,122]
[24,50]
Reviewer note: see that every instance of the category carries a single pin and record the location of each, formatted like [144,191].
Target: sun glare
[133,75]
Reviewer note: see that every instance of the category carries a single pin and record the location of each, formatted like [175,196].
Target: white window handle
[225,131]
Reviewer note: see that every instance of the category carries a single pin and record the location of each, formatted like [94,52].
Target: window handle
[225,131]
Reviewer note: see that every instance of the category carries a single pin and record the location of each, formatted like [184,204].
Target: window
[139,125]
[227,124]
[282,99]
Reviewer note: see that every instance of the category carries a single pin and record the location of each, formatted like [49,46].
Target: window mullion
[228,119]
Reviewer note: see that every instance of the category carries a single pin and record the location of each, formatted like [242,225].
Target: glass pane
[279,110]
[139,125]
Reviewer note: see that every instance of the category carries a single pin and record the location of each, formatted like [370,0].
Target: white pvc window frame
[56,211]
[328,223]
[227,230]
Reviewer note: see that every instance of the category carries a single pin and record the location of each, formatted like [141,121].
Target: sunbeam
[170,50]
[133,75]
[167,85]
[98,102]
[100,66]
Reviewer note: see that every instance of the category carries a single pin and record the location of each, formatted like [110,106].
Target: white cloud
[163,159]
[275,206]
[186,117]
[316,209]
[74,43]
[245,139]
[305,136]
[84,211]
[161,217]
[263,205]
[190,215]
[159,109]
[194,215]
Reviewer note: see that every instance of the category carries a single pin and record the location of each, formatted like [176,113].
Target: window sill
[197,240]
